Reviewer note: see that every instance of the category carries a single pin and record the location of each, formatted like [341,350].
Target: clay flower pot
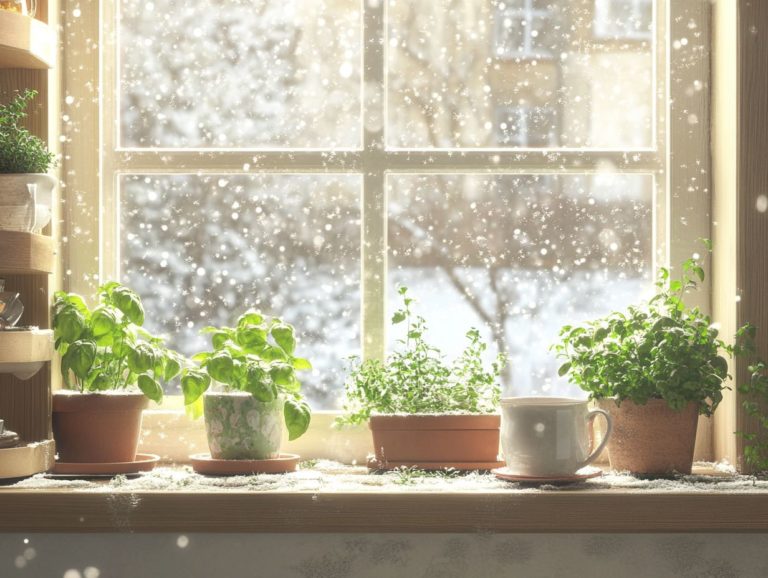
[651,439]
[239,427]
[435,441]
[97,427]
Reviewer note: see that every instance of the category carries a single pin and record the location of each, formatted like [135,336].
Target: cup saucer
[580,476]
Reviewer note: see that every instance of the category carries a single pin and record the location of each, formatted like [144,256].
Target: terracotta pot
[426,439]
[97,427]
[239,427]
[651,439]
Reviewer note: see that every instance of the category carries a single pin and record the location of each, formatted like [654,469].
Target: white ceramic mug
[548,436]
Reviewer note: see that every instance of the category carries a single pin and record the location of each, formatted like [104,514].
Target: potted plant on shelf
[655,368]
[255,365]
[423,411]
[111,367]
[25,188]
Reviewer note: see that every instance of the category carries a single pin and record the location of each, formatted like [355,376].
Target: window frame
[91,173]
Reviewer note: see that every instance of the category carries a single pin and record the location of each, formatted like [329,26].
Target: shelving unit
[25,42]
[28,50]
[25,253]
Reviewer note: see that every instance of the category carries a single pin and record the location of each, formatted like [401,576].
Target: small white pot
[16,201]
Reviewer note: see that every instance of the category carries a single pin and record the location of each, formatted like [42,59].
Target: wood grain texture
[26,405]
[752,224]
[24,253]
[741,178]
[587,511]
[26,346]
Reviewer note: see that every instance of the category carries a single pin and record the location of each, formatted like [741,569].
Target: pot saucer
[142,463]
[374,464]
[505,474]
[206,465]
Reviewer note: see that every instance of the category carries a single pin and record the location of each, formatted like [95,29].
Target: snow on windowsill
[332,477]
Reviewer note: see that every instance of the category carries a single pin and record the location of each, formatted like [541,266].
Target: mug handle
[593,413]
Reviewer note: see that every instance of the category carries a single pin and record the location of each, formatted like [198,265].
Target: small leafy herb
[20,150]
[416,379]
[256,356]
[755,402]
[106,348]
[661,350]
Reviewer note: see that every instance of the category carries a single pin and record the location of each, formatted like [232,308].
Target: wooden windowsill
[465,505]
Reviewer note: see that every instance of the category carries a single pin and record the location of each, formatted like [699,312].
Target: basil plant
[256,356]
[106,348]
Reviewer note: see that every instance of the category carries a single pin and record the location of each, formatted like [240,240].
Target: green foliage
[756,400]
[660,350]
[105,348]
[416,379]
[256,356]
[20,150]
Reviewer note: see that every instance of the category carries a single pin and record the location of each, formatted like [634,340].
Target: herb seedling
[416,379]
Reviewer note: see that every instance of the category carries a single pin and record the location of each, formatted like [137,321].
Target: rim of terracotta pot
[542,400]
[71,401]
[654,401]
[426,421]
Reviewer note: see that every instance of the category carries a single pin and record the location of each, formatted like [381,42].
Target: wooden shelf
[25,42]
[108,509]
[26,346]
[26,460]
[25,253]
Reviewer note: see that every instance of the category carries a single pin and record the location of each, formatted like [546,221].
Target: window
[624,19]
[308,156]
[524,29]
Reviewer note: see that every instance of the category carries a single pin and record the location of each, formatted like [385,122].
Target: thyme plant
[415,378]
[659,350]
[20,150]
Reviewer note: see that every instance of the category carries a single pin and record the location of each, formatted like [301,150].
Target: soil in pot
[97,427]
[651,439]
[239,427]
[430,439]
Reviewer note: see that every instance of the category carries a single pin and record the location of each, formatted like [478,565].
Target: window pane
[202,249]
[240,73]
[456,66]
[519,256]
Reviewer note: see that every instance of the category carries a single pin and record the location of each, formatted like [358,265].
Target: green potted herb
[423,411]
[254,364]
[24,160]
[111,367]
[655,368]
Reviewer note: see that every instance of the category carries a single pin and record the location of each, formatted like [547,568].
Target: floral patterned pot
[241,428]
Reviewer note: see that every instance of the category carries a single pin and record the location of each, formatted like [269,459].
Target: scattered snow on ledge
[327,476]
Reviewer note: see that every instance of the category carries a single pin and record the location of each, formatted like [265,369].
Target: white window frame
[679,157]
[526,13]
[604,20]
